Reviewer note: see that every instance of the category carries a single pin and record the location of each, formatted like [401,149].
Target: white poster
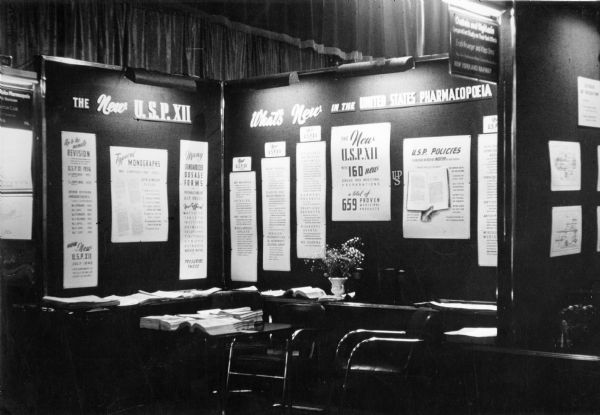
[80,210]
[243,229]
[193,245]
[16,216]
[565,165]
[566,230]
[311,188]
[276,213]
[598,228]
[15,160]
[138,188]
[360,172]
[588,102]
[487,200]
[598,162]
[437,187]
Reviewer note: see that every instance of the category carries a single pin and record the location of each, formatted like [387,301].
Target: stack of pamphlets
[247,316]
[82,302]
[212,321]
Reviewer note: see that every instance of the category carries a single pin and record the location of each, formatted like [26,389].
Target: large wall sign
[80,210]
[193,171]
[156,181]
[344,136]
[437,193]
[360,172]
[474,45]
[138,179]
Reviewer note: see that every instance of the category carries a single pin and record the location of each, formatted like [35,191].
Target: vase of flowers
[339,263]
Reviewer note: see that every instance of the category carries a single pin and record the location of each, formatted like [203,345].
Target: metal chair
[279,358]
[389,355]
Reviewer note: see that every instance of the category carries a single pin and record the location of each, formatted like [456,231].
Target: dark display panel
[448,268]
[556,44]
[74,94]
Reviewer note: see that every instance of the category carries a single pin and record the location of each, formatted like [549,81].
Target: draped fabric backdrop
[221,40]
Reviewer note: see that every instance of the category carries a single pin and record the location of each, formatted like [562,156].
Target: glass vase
[338,286]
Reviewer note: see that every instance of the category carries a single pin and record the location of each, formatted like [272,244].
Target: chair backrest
[425,324]
[235,299]
[300,314]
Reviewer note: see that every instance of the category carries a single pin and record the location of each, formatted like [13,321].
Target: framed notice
[474,45]
[360,172]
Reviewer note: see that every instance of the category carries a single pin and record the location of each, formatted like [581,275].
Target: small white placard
[312,133]
[566,231]
[588,102]
[275,149]
[242,163]
[565,165]
[490,124]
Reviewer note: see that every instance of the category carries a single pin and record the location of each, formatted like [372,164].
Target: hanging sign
[473,46]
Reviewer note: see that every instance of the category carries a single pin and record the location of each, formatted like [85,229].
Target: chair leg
[284,389]
[343,392]
[225,395]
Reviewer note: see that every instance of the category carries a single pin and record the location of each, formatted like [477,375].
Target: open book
[428,189]
[306,292]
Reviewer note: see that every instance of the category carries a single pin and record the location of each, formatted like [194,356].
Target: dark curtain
[221,40]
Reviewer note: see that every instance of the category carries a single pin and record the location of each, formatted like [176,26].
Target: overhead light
[143,76]
[476,7]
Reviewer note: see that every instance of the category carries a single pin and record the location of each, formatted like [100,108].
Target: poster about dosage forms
[360,172]
[138,187]
[80,210]
[193,169]
[437,194]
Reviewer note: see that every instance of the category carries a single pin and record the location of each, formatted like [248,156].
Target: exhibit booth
[468,181]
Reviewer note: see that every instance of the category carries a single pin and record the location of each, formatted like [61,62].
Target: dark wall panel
[448,268]
[555,45]
[125,268]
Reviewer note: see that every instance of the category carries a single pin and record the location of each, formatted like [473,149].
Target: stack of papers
[460,305]
[82,302]
[217,325]
[213,321]
[479,335]
[248,317]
